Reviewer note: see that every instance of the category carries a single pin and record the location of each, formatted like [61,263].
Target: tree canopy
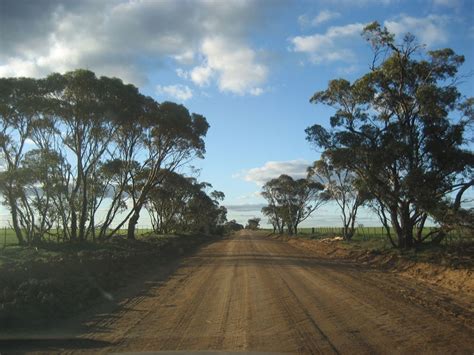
[291,201]
[401,128]
[73,144]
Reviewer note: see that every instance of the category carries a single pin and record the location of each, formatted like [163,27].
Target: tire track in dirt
[251,293]
[310,338]
[349,302]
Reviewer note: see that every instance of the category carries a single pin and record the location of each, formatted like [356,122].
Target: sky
[248,66]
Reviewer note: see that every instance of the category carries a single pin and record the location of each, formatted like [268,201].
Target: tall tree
[343,188]
[106,142]
[171,137]
[20,106]
[395,128]
[85,114]
[273,210]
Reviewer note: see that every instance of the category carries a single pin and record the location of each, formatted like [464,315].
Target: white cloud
[179,92]
[248,207]
[273,169]
[187,57]
[233,64]
[183,74]
[201,75]
[130,39]
[330,46]
[257,91]
[428,30]
[323,16]
[29,141]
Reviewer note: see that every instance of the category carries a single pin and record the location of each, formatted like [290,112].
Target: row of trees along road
[399,141]
[73,144]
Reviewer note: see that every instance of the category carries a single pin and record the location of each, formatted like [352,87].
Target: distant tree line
[74,144]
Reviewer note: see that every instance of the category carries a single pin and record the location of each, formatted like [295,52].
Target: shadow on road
[50,344]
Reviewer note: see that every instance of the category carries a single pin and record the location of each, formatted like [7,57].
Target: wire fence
[454,236]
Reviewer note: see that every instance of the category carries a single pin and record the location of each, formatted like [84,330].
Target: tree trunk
[348,232]
[16,227]
[405,229]
[132,223]
[83,216]
[73,223]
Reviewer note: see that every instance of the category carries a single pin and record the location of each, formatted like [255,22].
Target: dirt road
[251,293]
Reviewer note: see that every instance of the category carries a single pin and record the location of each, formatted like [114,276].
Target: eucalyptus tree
[168,202]
[85,114]
[342,187]
[401,129]
[170,137]
[20,106]
[293,201]
[233,226]
[106,142]
[253,223]
[37,199]
[123,165]
[203,212]
[273,210]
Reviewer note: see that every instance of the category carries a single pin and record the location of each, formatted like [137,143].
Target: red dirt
[253,293]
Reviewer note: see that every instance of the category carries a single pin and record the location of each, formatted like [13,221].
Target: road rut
[255,294]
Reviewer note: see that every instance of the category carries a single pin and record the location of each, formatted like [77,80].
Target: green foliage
[182,204]
[395,129]
[253,223]
[232,226]
[94,139]
[291,201]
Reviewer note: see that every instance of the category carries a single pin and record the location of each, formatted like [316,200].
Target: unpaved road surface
[255,294]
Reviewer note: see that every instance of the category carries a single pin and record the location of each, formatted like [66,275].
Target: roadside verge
[39,286]
[442,268]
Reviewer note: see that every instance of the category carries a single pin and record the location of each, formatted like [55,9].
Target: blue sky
[249,67]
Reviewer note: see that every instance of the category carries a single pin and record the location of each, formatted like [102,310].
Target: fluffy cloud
[178,92]
[131,38]
[428,30]
[234,64]
[201,75]
[329,46]
[250,207]
[323,16]
[335,43]
[272,169]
